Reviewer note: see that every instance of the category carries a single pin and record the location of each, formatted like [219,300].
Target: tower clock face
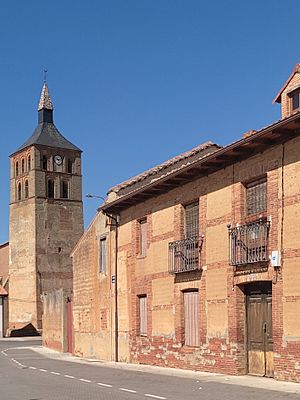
[58,160]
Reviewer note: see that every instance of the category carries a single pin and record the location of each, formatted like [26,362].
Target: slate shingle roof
[47,134]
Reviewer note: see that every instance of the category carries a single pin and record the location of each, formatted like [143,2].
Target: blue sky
[135,82]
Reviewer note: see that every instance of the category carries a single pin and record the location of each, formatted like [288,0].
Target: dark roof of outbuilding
[46,134]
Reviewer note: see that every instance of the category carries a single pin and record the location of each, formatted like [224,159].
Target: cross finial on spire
[45,75]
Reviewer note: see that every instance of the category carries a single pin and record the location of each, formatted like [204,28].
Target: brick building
[4,261]
[203,259]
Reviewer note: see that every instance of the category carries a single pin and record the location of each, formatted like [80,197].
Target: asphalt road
[28,375]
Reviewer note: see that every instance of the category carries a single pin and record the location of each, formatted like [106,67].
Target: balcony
[248,243]
[184,255]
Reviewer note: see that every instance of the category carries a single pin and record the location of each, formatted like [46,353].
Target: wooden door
[1,317]
[259,329]
[69,326]
[191,318]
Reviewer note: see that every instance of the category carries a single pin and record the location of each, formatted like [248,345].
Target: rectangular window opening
[102,255]
[143,227]
[295,101]
[256,197]
[64,190]
[50,189]
[191,220]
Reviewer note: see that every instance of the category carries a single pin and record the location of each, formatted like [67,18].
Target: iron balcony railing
[248,243]
[184,255]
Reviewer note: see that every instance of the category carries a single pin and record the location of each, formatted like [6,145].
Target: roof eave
[44,146]
[219,159]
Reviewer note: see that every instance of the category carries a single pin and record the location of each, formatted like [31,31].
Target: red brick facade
[218,179]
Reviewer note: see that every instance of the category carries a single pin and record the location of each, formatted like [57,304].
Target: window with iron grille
[142,237]
[191,220]
[102,255]
[142,315]
[191,318]
[256,197]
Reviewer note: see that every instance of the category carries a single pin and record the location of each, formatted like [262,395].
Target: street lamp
[92,196]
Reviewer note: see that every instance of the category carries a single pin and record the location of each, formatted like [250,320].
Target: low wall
[55,319]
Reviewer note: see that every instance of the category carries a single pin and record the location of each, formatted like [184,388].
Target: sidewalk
[243,380]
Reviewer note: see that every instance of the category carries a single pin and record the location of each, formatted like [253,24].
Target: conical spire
[45,99]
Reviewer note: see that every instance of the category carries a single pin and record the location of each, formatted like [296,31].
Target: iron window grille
[184,255]
[191,220]
[248,243]
[256,196]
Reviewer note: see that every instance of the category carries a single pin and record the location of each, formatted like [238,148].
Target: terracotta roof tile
[168,166]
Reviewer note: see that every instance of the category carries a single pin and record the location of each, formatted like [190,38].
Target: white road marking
[128,390]
[104,384]
[43,370]
[69,376]
[85,380]
[154,396]
[54,373]
[32,367]
[23,366]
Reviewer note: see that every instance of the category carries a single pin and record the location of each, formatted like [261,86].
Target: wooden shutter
[191,318]
[143,237]
[102,255]
[143,315]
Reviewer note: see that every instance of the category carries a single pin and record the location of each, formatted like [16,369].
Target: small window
[102,255]
[143,315]
[29,163]
[17,168]
[70,166]
[19,191]
[143,237]
[295,101]
[191,220]
[26,189]
[256,197]
[23,166]
[191,318]
[64,190]
[50,189]
[44,163]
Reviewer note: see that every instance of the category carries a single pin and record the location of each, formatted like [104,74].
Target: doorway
[1,317]
[259,329]
[70,332]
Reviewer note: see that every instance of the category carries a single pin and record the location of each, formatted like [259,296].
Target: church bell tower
[46,217]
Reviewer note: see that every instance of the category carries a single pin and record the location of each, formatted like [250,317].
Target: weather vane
[45,75]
